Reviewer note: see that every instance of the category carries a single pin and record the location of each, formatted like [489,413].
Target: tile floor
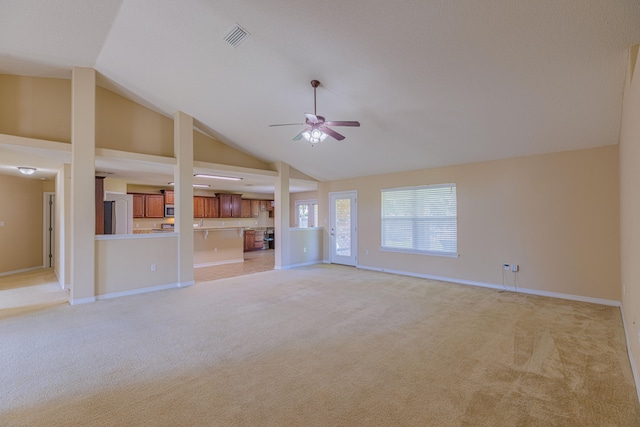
[254,262]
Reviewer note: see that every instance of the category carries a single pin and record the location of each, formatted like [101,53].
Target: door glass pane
[343,227]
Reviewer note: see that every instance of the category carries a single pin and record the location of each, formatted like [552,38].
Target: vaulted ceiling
[432,82]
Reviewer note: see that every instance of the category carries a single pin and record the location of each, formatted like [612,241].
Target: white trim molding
[636,378]
[138,291]
[499,287]
[22,270]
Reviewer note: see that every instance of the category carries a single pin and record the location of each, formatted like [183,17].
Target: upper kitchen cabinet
[245,208]
[198,207]
[255,208]
[205,207]
[154,206]
[138,205]
[148,206]
[211,207]
[230,205]
[168,197]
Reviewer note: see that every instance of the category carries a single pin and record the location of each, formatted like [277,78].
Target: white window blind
[420,219]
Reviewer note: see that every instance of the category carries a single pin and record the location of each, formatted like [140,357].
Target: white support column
[282,213]
[183,193]
[83,206]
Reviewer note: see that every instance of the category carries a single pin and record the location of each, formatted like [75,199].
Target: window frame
[311,212]
[416,221]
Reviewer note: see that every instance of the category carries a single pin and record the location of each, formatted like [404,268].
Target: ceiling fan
[316,128]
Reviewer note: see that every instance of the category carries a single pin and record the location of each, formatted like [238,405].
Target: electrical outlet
[153,267]
[304,250]
[515,268]
[366,252]
[215,249]
[1,223]
[505,266]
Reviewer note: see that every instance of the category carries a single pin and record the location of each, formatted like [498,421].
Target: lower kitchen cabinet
[249,238]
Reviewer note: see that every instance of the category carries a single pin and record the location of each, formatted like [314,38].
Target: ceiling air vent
[236,35]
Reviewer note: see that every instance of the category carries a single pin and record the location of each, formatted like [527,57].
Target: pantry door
[344,227]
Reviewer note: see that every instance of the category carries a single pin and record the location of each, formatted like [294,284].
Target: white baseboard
[636,378]
[137,291]
[186,284]
[211,264]
[22,270]
[499,287]
[303,264]
[79,301]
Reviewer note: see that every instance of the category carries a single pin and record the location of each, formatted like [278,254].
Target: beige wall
[630,207]
[35,107]
[208,149]
[306,246]
[555,215]
[124,125]
[220,246]
[124,264]
[21,210]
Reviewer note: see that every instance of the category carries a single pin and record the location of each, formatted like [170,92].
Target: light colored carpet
[318,346]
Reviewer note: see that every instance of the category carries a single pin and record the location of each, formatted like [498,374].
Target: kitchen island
[217,245]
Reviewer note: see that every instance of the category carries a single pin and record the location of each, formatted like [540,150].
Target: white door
[344,227]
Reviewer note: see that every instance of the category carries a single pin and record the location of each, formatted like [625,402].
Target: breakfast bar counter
[217,245]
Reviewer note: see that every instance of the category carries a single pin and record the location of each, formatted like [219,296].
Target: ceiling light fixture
[195,185]
[228,178]
[26,171]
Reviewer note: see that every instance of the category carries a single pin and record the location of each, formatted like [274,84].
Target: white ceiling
[433,82]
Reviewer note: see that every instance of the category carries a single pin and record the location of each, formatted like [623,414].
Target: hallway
[23,293]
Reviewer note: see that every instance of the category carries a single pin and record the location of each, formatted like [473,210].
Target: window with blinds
[420,219]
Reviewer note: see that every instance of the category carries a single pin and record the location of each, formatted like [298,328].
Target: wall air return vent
[236,35]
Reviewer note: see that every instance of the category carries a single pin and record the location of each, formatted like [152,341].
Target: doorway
[344,227]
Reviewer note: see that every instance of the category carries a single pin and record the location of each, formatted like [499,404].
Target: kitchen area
[227,226]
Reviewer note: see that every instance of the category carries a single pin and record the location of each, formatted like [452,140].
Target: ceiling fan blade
[343,123]
[332,133]
[288,124]
[298,137]
[313,119]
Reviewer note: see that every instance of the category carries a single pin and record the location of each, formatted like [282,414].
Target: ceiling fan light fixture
[314,136]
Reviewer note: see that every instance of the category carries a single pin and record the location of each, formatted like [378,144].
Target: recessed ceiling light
[26,170]
[228,178]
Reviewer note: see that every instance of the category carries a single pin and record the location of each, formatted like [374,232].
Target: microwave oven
[168,211]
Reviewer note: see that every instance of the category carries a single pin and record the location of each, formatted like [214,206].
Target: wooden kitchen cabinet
[230,205]
[258,241]
[198,206]
[211,207]
[138,205]
[249,238]
[148,206]
[169,198]
[245,208]
[99,198]
[154,206]
[255,208]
